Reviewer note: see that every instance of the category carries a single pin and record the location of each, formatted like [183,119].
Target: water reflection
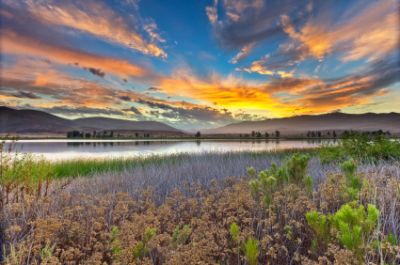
[67,149]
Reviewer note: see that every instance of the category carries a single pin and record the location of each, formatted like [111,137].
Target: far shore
[202,138]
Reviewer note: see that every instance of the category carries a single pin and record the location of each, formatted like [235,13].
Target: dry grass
[181,212]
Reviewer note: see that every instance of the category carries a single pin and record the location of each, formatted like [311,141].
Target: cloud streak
[98,19]
[14,43]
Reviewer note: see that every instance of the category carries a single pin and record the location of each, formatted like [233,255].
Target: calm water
[70,149]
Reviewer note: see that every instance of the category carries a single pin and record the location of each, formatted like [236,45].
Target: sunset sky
[200,64]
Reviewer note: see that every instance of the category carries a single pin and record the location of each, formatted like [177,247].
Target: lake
[72,149]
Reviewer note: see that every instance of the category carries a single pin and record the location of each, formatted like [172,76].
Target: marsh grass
[361,147]
[194,208]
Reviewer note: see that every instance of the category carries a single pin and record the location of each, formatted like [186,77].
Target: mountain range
[26,121]
[300,125]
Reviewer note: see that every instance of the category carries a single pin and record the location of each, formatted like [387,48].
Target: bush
[141,249]
[296,168]
[353,182]
[363,148]
[293,171]
[351,225]
[251,251]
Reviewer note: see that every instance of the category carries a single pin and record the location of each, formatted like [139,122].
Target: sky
[199,64]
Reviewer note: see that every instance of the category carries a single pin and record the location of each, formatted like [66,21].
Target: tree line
[100,135]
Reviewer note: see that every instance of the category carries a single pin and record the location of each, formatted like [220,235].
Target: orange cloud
[377,42]
[319,37]
[13,43]
[231,93]
[98,20]
[259,67]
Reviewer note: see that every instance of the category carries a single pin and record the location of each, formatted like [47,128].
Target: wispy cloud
[320,36]
[98,19]
[14,43]
[243,53]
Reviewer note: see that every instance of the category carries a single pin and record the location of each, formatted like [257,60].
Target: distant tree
[111,134]
[94,134]
[266,134]
[334,134]
[240,135]
[136,135]
[258,134]
[88,135]
[104,134]
[75,134]
[319,134]
[198,134]
[277,134]
[308,134]
[388,133]
[253,133]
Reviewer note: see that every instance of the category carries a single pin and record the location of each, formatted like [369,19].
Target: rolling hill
[33,121]
[300,125]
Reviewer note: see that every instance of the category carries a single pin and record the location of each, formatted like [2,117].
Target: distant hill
[33,121]
[299,125]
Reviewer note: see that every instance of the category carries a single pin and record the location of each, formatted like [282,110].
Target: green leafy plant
[181,236]
[355,225]
[116,248]
[251,251]
[47,252]
[353,182]
[234,231]
[321,224]
[267,181]
[351,225]
[362,147]
[296,167]
[392,239]
[141,249]
[309,184]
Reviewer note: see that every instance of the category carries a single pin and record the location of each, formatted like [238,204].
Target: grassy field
[334,205]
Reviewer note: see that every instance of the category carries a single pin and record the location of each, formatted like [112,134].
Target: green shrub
[353,182]
[234,231]
[116,248]
[355,225]
[308,183]
[321,224]
[361,147]
[181,236]
[267,181]
[47,252]
[251,251]
[251,172]
[392,239]
[351,225]
[296,167]
[141,250]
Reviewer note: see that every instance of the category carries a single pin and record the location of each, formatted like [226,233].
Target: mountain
[299,125]
[115,124]
[33,121]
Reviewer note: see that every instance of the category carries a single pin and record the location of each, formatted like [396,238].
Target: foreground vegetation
[280,209]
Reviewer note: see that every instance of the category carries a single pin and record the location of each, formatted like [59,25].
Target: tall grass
[363,148]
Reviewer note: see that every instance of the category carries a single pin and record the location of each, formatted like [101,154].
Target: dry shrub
[192,226]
